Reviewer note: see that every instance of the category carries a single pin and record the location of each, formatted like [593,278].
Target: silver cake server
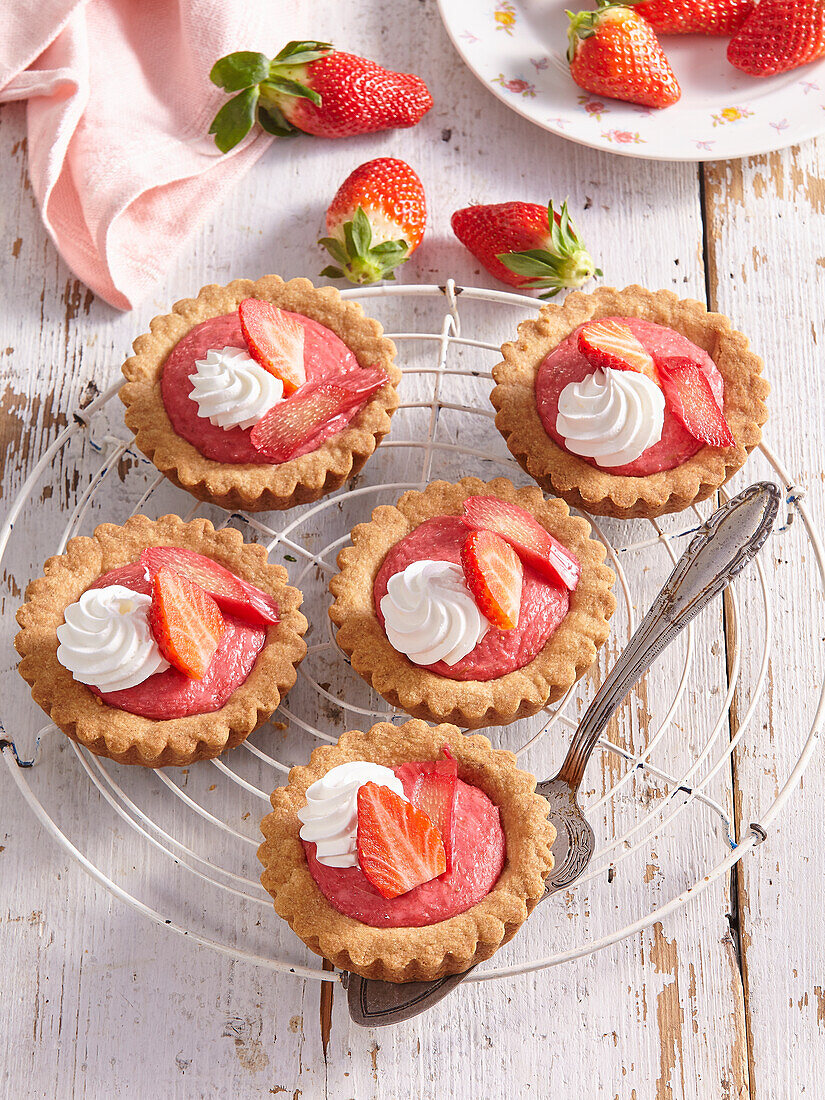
[722,547]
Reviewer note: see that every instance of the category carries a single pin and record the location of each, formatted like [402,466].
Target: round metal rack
[179,846]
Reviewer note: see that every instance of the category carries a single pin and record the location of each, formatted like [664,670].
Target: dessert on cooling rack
[261,395]
[473,603]
[407,852]
[630,402]
[160,642]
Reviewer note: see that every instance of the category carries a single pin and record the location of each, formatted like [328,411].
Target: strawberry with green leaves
[779,35]
[526,245]
[311,87]
[375,221]
[614,51]
[712,17]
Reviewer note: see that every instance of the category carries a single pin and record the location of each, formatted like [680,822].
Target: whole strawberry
[613,51]
[526,245]
[313,88]
[779,35]
[723,17]
[375,222]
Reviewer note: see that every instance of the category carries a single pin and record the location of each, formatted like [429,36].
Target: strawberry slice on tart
[434,790]
[611,345]
[692,401]
[494,574]
[230,592]
[186,622]
[399,847]
[290,427]
[275,340]
[534,545]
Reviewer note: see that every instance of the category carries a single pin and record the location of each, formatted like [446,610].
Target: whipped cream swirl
[231,390]
[430,614]
[330,817]
[611,416]
[106,640]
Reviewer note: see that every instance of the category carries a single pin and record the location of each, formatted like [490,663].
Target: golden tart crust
[598,491]
[129,738]
[432,951]
[472,704]
[250,486]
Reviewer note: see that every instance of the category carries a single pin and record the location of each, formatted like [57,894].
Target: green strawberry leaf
[533,262]
[390,248]
[335,249]
[240,70]
[272,120]
[361,232]
[294,88]
[332,273]
[234,120]
[300,53]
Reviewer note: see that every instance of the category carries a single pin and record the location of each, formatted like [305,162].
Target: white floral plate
[517,49]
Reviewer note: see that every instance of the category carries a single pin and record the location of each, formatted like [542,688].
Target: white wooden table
[97,1002]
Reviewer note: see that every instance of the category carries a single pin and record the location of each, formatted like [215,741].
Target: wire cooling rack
[179,846]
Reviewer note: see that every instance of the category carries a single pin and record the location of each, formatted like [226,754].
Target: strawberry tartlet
[261,394]
[160,642]
[474,603]
[406,852]
[629,403]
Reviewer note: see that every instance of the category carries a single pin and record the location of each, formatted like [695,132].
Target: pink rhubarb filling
[171,694]
[478,856]
[566,364]
[543,604]
[325,356]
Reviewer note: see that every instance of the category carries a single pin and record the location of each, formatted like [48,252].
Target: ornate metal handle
[724,545]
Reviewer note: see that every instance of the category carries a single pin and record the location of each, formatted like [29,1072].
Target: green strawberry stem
[565,263]
[360,260]
[584,24]
[261,84]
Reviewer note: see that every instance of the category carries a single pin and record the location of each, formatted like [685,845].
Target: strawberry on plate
[311,87]
[611,345]
[526,245]
[691,400]
[494,574]
[186,622]
[779,35]
[434,789]
[231,594]
[275,340]
[398,845]
[535,546]
[375,221]
[717,17]
[613,51]
[291,426]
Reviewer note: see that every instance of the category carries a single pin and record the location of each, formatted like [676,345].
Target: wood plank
[767,237]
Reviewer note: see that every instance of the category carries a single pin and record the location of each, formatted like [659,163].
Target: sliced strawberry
[398,845]
[692,401]
[291,427]
[434,786]
[535,546]
[229,592]
[494,574]
[612,344]
[186,622]
[275,340]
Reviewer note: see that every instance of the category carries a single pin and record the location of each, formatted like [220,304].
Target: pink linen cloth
[119,105]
